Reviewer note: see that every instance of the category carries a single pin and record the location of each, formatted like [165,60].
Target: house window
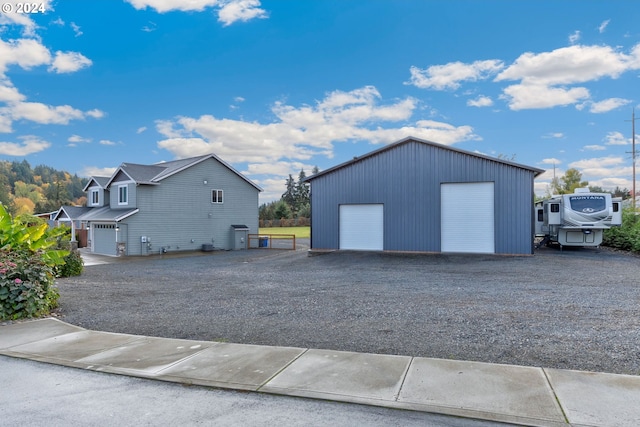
[216,196]
[94,197]
[123,195]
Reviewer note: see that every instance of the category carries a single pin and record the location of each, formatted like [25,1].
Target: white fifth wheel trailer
[576,219]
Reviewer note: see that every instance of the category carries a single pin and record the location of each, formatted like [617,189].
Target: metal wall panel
[406,179]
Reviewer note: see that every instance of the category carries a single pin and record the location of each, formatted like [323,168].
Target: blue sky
[275,86]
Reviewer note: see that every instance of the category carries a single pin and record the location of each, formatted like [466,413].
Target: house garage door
[104,239]
[467,217]
[361,227]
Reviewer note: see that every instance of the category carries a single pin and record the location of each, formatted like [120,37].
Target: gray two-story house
[189,204]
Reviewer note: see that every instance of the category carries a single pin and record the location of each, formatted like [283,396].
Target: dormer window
[94,197]
[123,194]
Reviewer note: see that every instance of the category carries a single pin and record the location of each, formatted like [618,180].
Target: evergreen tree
[289,196]
[302,192]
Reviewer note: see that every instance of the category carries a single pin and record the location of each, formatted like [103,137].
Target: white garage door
[467,217]
[361,227]
[104,239]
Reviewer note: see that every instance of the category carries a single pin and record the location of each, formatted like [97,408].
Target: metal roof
[391,146]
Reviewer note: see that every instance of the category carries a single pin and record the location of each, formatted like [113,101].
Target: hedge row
[284,222]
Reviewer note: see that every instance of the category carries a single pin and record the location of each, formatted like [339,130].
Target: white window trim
[95,192]
[126,202]
[221,193]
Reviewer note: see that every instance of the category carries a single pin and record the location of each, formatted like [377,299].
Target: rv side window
[555,207]
[540,215]
[616,207]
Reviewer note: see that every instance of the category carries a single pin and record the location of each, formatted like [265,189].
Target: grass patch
[300,232]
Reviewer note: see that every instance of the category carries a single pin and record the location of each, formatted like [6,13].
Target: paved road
[38,394]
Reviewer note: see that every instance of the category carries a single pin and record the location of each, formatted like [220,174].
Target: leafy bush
[627,236]
[27,263]
[26,285]
[73,265]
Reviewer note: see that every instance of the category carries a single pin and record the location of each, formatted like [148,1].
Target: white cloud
[612,183]
[481,101]
[603,26]
[281,168]
[573,38]
[616,138]
[551,161]
[532,96]
[240,10]
[107,142]
[600,161]
[9,93]
[594,147]
[569,65]
[451,75]
[150,28]
[78,139]
[88,171]
[26,53]
[229,11]
[141,129]
[23,19]
[76,29]
[95,113]
[42,113]
[29,145]
[302,132]
[69,62]
[608,105]
[162,6]
[540,74]
[554,135]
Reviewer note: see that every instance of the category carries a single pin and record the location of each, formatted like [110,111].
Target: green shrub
[27,262]
[26,285]
[626,236]
[73,265]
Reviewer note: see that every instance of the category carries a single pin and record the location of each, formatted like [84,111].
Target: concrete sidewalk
[505,393]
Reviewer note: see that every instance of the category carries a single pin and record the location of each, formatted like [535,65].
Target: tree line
[572,179]
[42,189]
[294,202]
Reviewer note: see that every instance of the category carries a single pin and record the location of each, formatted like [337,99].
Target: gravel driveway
[576,309]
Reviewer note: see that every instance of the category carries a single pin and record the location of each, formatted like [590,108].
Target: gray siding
[114,194]
[407,179]
[177,214]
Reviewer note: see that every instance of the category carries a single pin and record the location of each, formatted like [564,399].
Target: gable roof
[100,181]
[70,212]
[406,140]
[153,174]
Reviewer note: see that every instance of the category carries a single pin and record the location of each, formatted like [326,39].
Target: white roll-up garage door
[467,217]
[361,227]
